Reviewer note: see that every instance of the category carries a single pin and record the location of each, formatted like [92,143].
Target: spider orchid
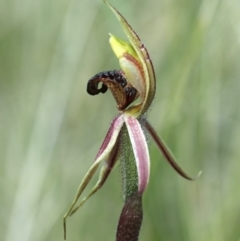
[133,88]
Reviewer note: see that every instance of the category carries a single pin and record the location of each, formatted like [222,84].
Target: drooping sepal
[167,153]
[108,154]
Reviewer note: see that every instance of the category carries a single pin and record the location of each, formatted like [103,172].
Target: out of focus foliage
[51,128]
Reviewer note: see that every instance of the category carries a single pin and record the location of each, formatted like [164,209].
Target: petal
[146,63]
[140,150]
[110,138]
[105,153]
[104,173]
[167,153]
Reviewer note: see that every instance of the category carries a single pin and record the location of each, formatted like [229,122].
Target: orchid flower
[133,88]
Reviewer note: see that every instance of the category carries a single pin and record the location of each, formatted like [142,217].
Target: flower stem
[129,173]
[130,220]
[131,216]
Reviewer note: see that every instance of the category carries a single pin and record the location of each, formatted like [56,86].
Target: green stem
[131,216]
[128,166]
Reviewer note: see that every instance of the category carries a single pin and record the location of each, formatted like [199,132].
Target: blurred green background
[51,128]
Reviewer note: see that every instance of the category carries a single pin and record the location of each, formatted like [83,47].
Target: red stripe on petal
[140,150]
[108,153]
[111,136]
[104,173]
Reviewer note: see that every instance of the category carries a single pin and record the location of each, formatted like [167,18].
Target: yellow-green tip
[120,47]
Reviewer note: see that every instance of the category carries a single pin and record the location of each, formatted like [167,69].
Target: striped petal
[107,153]
[110,138]
[104,173]
[140,150]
